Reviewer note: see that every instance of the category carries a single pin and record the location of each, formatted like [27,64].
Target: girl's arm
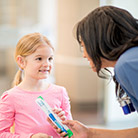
[7,113]
[66,107]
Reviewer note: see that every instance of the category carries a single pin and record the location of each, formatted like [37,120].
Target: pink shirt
[20,107]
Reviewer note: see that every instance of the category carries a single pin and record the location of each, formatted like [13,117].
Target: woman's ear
[21,61]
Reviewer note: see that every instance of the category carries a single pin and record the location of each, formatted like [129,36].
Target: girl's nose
[46,63]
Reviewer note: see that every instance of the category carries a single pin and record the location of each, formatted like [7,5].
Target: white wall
[71,70]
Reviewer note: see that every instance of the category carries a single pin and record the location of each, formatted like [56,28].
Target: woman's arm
[81,131]
[106,133]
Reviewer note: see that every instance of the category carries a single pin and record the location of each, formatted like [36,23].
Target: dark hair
[107,32]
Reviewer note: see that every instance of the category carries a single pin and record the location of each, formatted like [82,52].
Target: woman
[109,38]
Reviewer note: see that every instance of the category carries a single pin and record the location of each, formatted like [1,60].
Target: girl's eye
[51,58]
[39,58]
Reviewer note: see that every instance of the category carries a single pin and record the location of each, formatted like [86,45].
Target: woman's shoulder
[127,58]
[129,54]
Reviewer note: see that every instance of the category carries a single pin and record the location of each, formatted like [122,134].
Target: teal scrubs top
[126,74]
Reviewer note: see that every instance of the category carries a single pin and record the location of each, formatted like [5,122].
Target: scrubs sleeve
[127,75]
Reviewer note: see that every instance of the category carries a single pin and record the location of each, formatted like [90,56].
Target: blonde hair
[27,45]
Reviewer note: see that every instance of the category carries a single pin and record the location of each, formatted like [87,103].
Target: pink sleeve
[66,105]
[7,114]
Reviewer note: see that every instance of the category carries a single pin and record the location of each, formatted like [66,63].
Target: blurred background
[92,99]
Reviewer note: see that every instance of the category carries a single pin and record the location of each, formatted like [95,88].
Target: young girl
[34,56]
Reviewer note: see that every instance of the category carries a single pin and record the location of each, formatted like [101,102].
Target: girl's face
[105,63]
[39,64]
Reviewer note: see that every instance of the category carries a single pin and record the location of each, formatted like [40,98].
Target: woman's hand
[79,130]
[40,135]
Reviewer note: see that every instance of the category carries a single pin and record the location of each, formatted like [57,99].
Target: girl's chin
[44,77]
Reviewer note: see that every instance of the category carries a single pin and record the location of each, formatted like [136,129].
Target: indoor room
[93,100]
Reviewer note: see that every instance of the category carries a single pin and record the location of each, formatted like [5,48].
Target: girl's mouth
[44,71]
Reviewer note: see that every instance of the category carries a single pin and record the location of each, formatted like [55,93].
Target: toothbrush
[53,117]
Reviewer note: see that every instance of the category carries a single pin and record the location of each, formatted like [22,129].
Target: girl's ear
[21,61]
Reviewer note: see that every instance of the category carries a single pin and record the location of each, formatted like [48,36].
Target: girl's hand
[40,135]
[60,113]
[62,116]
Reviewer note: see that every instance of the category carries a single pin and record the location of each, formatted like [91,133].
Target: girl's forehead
[42,51]
[44,48]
